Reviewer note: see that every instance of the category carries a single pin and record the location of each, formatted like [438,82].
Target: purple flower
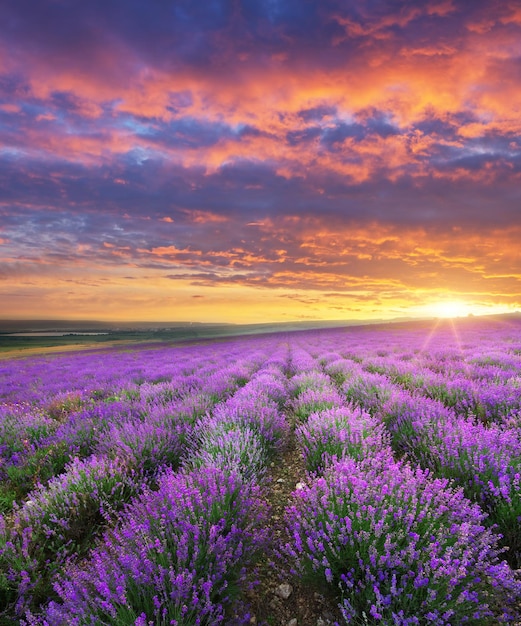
[380,534]
[59,520]
[338,432]
[179,555]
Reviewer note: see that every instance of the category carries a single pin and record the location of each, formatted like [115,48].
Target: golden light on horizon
[451,308]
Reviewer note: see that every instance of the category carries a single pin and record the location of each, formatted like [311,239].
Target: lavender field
[140,485]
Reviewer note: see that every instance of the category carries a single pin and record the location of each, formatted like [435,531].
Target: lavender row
[37,440]
[485,460]
[179,557]
[477,379]
[203,526]
[141,437]
[247,429]
[401,546]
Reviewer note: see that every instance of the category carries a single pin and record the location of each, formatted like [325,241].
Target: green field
[25,336]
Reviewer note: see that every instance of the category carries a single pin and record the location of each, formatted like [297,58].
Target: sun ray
[431,334]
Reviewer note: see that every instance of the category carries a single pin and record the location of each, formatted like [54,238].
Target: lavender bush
[57,521]
[339,432]
[309,379]
[368,390]
[180,557]
[258,412]
[405,415]
[233,447]
[146,446]
[313,400]
[400,547]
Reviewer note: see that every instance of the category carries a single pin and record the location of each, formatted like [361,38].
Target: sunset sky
[259,160]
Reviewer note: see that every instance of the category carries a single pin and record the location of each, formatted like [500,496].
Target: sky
[259,160]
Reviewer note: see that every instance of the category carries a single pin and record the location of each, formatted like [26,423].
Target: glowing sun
[451,308]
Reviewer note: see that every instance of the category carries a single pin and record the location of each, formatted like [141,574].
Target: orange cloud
[348,269]
[205,217]
[9,108]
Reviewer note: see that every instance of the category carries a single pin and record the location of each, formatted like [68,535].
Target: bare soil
[307,604]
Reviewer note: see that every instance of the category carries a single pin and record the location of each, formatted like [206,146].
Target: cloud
[244,143]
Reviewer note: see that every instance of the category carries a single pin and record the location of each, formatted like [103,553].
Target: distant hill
[78,326]
[19,336]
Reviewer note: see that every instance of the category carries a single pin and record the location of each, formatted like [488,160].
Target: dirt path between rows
[306,605]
